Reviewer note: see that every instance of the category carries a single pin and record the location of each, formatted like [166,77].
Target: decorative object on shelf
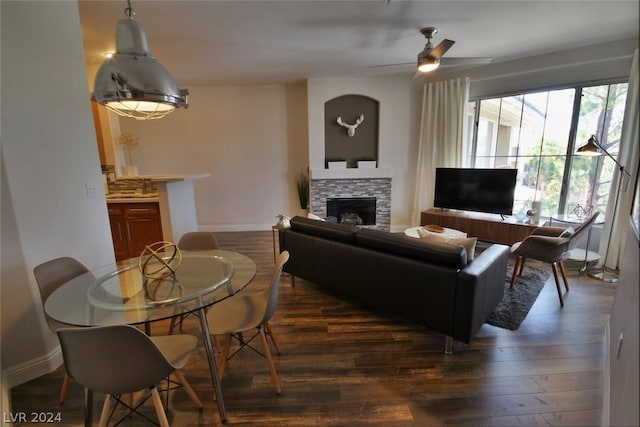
[302,186]
[132,83]
[536,208]
[593,148]
[366,163]
[434,228]
[351,129]
[337,163]
[129,141]
[283,222]
[521,215]
[581,212]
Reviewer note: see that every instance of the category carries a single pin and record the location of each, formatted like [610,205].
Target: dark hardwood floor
[345,366]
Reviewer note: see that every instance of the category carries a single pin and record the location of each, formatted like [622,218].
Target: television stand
[492,228]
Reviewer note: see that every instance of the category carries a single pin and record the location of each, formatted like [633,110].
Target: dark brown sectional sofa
[429,283]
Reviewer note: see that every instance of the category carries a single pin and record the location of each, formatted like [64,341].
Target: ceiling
[205,43]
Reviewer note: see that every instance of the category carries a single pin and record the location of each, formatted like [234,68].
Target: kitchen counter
[175,198]
[167,177]
[119,199]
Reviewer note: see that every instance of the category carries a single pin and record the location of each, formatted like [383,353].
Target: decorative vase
[536,206]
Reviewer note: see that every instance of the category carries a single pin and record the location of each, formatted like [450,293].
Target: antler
[351,129]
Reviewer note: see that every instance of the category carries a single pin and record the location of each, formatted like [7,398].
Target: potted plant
[336,163]
[302,185]
[367,162]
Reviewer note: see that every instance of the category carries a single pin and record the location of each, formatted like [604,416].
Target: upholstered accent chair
[551,245]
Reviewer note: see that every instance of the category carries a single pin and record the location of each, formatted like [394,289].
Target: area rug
[517,302]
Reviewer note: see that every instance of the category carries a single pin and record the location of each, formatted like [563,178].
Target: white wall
[48,155]
[398,122]
[621,408]
[251,139]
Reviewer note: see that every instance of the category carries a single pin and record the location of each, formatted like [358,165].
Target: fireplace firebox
[352,210]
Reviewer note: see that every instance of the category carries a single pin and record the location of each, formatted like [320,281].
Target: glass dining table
[120,294]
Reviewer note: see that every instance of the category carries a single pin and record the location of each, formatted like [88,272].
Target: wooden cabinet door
[143,226]
[118,232]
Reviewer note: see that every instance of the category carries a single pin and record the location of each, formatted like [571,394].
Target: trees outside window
[538,133]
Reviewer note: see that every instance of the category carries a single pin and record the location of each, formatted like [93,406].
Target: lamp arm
[622,169]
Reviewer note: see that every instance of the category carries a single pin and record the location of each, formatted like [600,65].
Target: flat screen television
[479,190]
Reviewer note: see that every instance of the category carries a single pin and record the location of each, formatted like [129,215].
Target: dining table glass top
[119,293]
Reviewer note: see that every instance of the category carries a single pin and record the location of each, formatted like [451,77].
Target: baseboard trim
[606,392]
[34,368]
[236,227]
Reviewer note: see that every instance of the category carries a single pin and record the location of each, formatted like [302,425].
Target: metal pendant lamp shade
[132,83]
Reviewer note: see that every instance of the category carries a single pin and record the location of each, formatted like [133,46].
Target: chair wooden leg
[564,275]
[106,408]
[157,404]
[187,388]
[64,388]
[216,344]
[273,339]
[554,267]
[516,265]
[521,266]
[272,367]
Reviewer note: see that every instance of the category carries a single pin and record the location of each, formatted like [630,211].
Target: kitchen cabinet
[133,226]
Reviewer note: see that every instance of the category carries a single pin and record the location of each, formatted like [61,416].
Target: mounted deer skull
[351,129]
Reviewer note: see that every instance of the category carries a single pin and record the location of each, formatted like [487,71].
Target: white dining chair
[246,312]
[121,359]
[50,276]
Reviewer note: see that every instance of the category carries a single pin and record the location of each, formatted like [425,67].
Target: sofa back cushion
[326,230]
[442,254]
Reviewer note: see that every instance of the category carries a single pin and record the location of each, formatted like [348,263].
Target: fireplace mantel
[350,173]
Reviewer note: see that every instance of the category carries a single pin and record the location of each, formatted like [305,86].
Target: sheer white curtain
[443,136]
[628,157]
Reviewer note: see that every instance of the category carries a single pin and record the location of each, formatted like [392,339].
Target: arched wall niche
[364,143]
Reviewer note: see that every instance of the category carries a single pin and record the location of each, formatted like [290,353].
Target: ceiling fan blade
[452,61]
[441,49]
[392,65]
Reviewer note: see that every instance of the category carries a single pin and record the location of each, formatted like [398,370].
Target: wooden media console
[486,227]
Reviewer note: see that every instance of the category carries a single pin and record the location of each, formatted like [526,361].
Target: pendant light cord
[129,10]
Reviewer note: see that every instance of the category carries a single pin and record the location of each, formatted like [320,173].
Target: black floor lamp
[593,148]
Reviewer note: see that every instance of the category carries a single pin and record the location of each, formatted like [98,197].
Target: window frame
[579,87]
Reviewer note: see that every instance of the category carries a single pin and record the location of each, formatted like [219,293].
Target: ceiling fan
[430,58]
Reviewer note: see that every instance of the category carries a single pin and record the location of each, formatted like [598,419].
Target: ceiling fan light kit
[426,63]
[132,83]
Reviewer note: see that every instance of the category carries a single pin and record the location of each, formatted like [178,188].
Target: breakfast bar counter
[175,198]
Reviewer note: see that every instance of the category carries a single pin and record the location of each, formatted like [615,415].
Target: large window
[538,133]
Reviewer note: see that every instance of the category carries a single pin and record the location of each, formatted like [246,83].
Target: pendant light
[132,83]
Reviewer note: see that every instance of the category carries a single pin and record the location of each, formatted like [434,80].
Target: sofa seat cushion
[442,254]
[324,229]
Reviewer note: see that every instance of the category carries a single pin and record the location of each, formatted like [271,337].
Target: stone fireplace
[353,185]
